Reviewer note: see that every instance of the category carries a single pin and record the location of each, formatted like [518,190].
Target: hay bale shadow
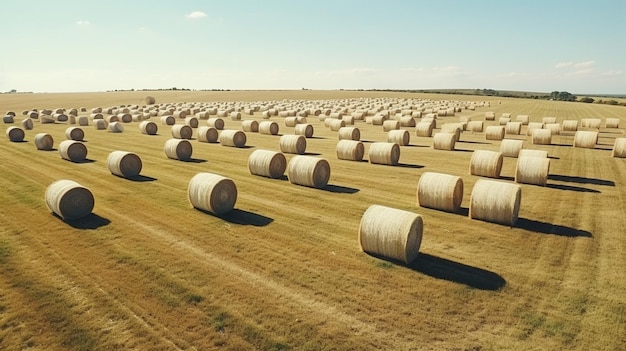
[195,160]
[572,188]
[242,217]
[409,165]
[581,180]
[142,178]
[340,189]
[87,160]
[89,222]
[548,228]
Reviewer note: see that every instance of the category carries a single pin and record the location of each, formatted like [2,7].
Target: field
[284,270]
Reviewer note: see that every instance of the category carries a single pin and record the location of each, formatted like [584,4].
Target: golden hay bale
[532,170]
[60,117]
[150,100]
[75,133]
[27,124]
[96,110]
[208,134]
[532,126]
[46,119]
[542,136]
[180,114]
[100,124]
[215,122]
[191,121]
[178,149]
[304,129]
[291,121]
[44,141]
[15,134]
[475,126]
[407,121]
[440,191]
[504,120]
[378,120]
[69,200]
[335,124]
[234,138]
[569,125]
[486,163]
[309,171]
[384,153]
[8,119]
[124,117]
[594,123]
[391,233]
[116,127]
[168,120]
[611,123]
[250,125]
[72,150]
[454,128]
[532,153]
[213,193]
[619,148]
[235,116]
[124,164]
[585,139]
[424,129]
[267,163]
[292,144]
[10,113]
[444,141]
[33,114]
[513,128]
[390,125]
[555,128]
[268,127]
[349,120]
[494,133]
[547,120]
[203,115]
[524,119]
[182,131]
[72,119]
[266,114]
[495,201]
[96,116]
[111,118]
[511,147]
[148,127]
[401,137]
[349,133]
[82,121]
[351,150]
[490,116]
[72,112]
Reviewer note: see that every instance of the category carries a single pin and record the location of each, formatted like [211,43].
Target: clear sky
[530,45]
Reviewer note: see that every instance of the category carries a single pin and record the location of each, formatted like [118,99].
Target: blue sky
[532,45]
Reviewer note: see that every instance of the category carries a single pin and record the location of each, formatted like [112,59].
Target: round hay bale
[454,128]
[60,117]
[503,121]
[267,163]
[111,118]
[495,202]
[234,138]
[69,200]
[207,134]
[178,149]
[490,116]
[72,119]
[494,133]
[15,134]
[593,123]
[424,129]
[124,117]
[250,125]
[96,116]
[524,119]
[348,120]
[351,150]
[542,136]
[440,191]
[82,121]
[349,133]
[548,120]
[384,153]
[532,170]
[532,126]
[268,127]
[10,113]
[407,121]
[554,128]
[569,125]
[168,120]
[72,150]
[235,116]
[191,121]
[585,139]
[444,141]
[513,128]
[44,141]
[46,119]
[213,193]
[75,133]
[293,144]
[378,120]
[266,114]
[8,119]
[475,126]
[391,233]
[619,148]
[215,122]
[148,127]
[33,114]
[27,124]
[390,125]
[309,171]
[532,153]
[124,164]
[181,114]
[401,137]
[291,121]
[335,124]
[304,129]
[116,127]
[511,147]
[182,131]
[150,100]
[486,163]
[611,123]
[100,124]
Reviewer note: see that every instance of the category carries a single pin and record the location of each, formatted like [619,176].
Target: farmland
[284,270]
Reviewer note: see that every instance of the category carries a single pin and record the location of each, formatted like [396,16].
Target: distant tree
[562,96]
[587,99]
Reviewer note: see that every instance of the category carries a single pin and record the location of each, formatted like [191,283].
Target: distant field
[284,270]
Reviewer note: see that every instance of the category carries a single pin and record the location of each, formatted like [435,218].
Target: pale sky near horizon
[531,45]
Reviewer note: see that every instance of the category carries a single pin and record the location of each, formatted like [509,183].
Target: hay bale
[513,128]
[424,129]
[180,114]
[511,147]
[212,192]
[351,150]
[148,127]
[440,191]
[585,139]
[116,127]
[524,119]
[335,124]
[532,170]
[611,123]
[494,133]
[548,120]
[10,113]
[390,125]
[401,137]
[234,138]
[391,233]
[532,126]
[82,121]
[208,134]
[407,121]
[27,124]
[178,149]
[168,120]
[291,121]
[454,128]
[309,171]
[215,122]
[96,116]
[182,131]
[32,114]
[475,126]
[349,120]
[293,144]
[384,153]
[378,120]
[349,133]
[124,164]
[69,200]
[15,134]
[444,141]
[569,125]
[619,148]
[235,116]
[100,124]
[532,153]
[46,119]
[555,128]
[304,129]
[490,116]
[593,123]
[124,117]
[191,121]
[72,150]
[150,100]
[44,141]
[503,121]
[486,163]
[250,125]
[75,133]
[542,136]
[60,117]
[8,119]
[267,163]
[268,127]
[495,201]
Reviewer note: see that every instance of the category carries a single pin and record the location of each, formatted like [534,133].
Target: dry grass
[284,270]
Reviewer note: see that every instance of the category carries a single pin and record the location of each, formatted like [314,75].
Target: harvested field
[283,270]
